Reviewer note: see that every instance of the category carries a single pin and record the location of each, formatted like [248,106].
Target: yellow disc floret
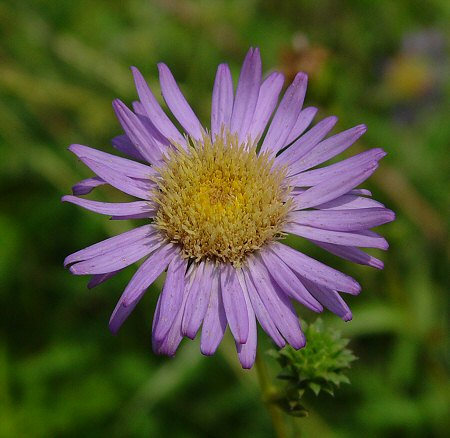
[220,200]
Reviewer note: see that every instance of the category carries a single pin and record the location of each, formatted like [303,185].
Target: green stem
[267,393]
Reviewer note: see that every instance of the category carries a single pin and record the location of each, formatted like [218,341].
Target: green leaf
[320,366]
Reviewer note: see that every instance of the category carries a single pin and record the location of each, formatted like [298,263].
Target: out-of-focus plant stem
[268,391]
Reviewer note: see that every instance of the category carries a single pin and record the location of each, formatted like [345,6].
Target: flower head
[220,200]
[217,203]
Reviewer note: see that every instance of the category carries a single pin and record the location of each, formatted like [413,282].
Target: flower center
[220,200]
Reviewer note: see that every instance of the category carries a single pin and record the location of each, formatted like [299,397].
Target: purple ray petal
[297,191]
[117,258]
[87,185]
[316,271]
[137,133]
[159,141]
[370,233]
[100,278]
[222,100]
[351,254]
[147,273]
[264,317]
[105,246]
[247,352]
[266,103]
[305,143]
[362,192]
[215,321]
[119,180]
[348,202]
[234,303]
[330,299]
[123,165]
[343,220]
[337,237]
[154,111]
[329,148]
[304,119]
[331,189]
[139,109]
[277,303]
[246,94]
[198,300]
[147,184]
[113,209]
[171,296]
[126,217]
[123,144]
[286,115]
[169,344]
[156,317]
[178,104]
[316,176]
[171,340]
[288,281]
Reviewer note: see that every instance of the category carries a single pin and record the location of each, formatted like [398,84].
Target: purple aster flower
[217,203]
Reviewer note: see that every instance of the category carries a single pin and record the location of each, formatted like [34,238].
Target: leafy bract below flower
[319,367]
[216,204]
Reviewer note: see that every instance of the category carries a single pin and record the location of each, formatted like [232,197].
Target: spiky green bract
[320,366]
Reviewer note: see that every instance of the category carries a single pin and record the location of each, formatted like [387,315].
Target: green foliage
[320,366]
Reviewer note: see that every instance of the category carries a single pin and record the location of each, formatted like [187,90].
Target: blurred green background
[62,62]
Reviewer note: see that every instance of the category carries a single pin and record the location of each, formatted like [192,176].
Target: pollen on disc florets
[220,200]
